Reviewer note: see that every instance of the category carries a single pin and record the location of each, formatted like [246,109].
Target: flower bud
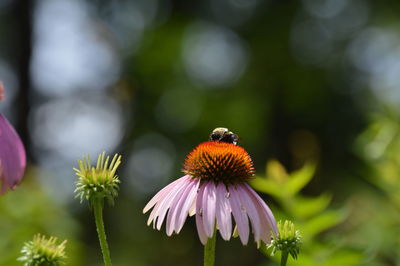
[288,240]
[43,252]
[97,183]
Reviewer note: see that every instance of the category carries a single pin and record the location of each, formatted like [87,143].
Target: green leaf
[344,257]
[281,185]
[306,207]
[321,223]
[267,186]
[299,179]
[276,172]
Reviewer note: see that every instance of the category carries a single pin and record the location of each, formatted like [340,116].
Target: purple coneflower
[12,154]
[214,187]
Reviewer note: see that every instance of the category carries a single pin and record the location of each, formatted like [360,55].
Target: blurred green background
[311,87]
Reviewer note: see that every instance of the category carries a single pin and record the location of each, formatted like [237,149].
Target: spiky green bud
[97,183]
[288,240]
[43,252]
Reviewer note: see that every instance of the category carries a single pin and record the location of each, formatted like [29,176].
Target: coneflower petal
[223,212]
[266,210]
[209,202]
[251,211]
[166,203]
[199,216]
[265,229]
[158,199]
[12,156]
[192,209]
[161,194]
[170,223]
[176,207]
[240,215]
[188,202]
[162,197]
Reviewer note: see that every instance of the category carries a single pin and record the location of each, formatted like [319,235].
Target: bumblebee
[224,135]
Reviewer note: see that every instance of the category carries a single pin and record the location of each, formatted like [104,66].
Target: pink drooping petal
[192,208]
[161,197]
[265,229]
[240,215]
[170,224]
[185,209]
[177,207]
[269,216]
[209,202]
[157,200]
[12,156]
[167,202]
[162,193]
[251,210]
[213,205]
[199,216]
[223,212]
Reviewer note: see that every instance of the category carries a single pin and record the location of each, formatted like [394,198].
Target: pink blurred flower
[12,154]
[215,190]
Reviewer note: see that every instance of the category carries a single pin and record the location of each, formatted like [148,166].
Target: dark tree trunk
[21,42]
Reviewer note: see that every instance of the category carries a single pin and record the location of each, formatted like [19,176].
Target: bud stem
[284,257]
[209,250]
[98,216]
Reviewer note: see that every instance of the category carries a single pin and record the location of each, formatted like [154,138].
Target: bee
[224,135]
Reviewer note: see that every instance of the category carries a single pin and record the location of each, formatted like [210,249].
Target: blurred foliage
[29,210]
[379,145]
[310,214]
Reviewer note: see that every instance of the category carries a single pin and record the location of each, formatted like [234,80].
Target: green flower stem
[98,216]
[209,250]
[284,257]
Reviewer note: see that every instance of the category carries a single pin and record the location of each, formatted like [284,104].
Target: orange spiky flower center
[219,162]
